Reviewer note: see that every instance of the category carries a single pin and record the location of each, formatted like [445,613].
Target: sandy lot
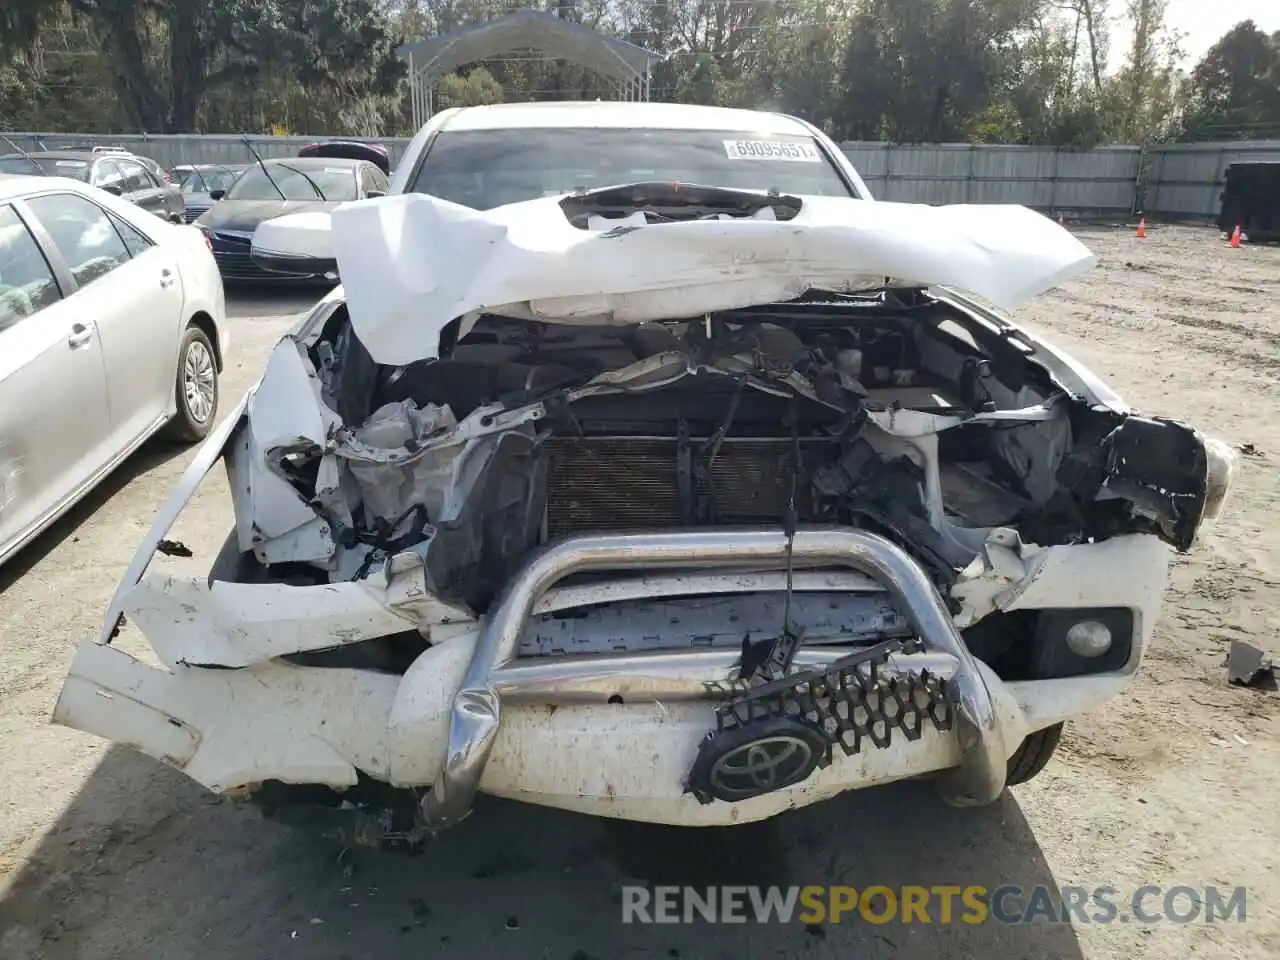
[106,854]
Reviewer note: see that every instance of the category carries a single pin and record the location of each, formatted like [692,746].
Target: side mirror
[298,244]
[113,189]
[374,194]
[216,195]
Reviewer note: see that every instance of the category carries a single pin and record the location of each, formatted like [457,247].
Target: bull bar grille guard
[961,702]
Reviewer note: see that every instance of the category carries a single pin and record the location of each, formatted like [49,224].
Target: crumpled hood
[410,264]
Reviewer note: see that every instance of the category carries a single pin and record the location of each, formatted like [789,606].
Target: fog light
[1089,638]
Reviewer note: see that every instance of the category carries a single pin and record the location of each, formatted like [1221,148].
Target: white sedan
[112,327]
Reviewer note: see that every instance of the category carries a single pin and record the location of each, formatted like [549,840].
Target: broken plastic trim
[847,703]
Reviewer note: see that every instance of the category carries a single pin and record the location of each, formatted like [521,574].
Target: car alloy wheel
[199,381]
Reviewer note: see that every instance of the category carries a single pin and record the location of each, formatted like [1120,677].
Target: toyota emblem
[763,765]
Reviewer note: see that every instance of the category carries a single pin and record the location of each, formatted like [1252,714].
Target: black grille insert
[621,483]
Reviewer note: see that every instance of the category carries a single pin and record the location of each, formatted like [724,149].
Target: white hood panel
[410,264]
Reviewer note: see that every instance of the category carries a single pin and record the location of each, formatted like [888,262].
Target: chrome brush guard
[495,673]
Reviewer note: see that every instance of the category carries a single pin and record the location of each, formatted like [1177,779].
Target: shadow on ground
[249,301]
[144,864]
[154,453]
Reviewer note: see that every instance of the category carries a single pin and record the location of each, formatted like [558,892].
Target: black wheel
[1033,754]
[196,388]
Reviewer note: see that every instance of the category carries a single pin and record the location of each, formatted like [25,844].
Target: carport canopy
[547,33]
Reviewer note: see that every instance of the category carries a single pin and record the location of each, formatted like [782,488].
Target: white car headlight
[1220,471]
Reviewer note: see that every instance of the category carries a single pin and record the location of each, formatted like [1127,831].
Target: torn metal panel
[412,264]
[194,622]
[991,580]
[272,520]
[1248,666]
[1008,575]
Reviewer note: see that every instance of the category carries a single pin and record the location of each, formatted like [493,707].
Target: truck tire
[1033,754]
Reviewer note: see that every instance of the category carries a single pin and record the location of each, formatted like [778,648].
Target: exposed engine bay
[894,411]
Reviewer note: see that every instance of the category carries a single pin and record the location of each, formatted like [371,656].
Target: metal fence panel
[1187,178]
[1047,178]
[870,159]
[1183,179]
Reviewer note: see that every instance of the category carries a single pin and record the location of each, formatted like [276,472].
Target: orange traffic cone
[1142,229]
[1235,236]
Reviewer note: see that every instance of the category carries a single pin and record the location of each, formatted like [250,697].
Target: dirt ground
[106,854]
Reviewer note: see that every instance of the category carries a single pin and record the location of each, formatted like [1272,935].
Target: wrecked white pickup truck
[666,503]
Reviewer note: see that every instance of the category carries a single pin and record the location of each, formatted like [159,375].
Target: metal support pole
[415,109]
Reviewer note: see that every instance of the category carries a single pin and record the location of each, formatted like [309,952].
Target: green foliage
[475,89]
[167,61]
[983,71]
[1234,92]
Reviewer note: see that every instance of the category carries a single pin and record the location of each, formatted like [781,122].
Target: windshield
[483,169]
[336,183]
[206,181]
[49,167]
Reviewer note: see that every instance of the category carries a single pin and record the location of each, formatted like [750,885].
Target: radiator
[626,483]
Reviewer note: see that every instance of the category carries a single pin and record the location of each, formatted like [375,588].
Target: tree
[1146,89]
[475,89]
[1091,18]
[1234,92]
[168,56]
[900,84]
[61,82]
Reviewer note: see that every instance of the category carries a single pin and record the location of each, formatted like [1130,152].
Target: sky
[1204,21]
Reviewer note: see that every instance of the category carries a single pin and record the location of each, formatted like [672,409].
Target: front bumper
[237,266]
[612,735]
[477,710]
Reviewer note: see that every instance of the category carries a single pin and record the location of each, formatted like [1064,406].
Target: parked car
[645,466]
[111,329]
[157,171]
[375,153]
[274,188]
[121,174]
[202,180]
